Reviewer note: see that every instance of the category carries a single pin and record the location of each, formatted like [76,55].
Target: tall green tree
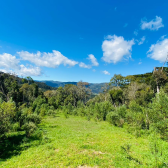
[160,78]
[117,80]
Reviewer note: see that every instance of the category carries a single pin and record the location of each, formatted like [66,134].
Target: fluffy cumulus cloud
[83,65]
[29,71]
[106,72]
[115,48]
[92,58]
[8,61]
[10,64]
[142,40]
[51,60]
[159,50]
[154,24]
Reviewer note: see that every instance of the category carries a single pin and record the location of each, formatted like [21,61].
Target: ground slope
[76,142]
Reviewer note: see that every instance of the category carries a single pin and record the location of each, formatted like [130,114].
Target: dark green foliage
[7,113]
[136,118]
[117,117]
[29,127]
[116,95]
[158,114]
[101,110]
[117,80]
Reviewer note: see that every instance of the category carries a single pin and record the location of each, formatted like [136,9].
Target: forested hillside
[95,87]
[137,104]
[21,81]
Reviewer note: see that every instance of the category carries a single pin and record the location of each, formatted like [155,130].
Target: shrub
[15,127]
[158,114]
[34,118]
[37,134]
[51,112]
[113,118]
[136,118]
[7,113]
[44,109]
[29,128]
[117,117]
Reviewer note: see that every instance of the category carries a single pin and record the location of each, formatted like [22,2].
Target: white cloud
[8,61]
[154,24]
[83,65]
[115,48]
[136,32]
[50,60]
[92,58]
[159,50]
[10,64]
[31,71]
[142,40]
[94,70]
[6,71]
[106,72]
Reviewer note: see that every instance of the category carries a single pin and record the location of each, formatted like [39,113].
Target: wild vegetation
[135,108]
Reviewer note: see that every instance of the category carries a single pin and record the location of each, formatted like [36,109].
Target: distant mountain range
[52,85]
[95,87]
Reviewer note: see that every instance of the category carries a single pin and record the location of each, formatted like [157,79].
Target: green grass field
[76,142]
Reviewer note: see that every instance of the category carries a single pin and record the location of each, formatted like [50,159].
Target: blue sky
[87,40]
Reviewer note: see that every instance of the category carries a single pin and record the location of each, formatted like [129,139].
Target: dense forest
[138,103]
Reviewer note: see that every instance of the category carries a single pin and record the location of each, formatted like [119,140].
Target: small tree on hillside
[160,78]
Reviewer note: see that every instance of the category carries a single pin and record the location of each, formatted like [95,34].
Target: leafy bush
[7,113]
[37,134]
[34,118]
[158,114]
[113,118]
[117,117]
[15,127]
[136,118]
[51,112]
[29,128]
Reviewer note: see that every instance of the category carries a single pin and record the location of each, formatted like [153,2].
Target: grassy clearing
[76,142]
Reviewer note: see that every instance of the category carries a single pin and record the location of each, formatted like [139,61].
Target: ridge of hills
[53,85]
[95,87]
[41,85]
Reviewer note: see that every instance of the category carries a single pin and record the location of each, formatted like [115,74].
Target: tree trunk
[158,90]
